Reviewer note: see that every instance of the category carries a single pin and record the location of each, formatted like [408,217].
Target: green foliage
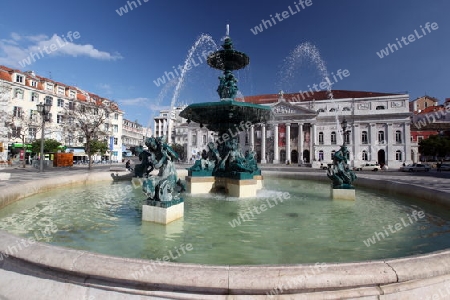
[179,149]
[435,145]
[98,146]
[50,146]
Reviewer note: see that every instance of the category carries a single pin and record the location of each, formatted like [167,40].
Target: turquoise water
[306,227]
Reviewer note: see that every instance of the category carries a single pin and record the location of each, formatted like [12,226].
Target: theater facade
[305,129]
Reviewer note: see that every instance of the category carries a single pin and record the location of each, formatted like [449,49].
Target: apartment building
[21,91]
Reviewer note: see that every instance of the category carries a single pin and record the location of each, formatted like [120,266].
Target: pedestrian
[128,165]
[439,164]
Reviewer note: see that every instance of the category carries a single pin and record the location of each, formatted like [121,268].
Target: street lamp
[344,129]
[44,110]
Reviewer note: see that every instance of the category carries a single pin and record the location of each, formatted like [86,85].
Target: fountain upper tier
[223,115]
[228,59]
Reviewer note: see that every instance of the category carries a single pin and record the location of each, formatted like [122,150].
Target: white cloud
[105,87]
[18,48]
[144,102]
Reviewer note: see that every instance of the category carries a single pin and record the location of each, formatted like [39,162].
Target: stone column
[288,142]
[356,141]
[373,155]
[263,144]
[199,139]
[276,154]
[252,137]
[312,143]
[300,143]
[407,141]
[189,143]
[390,141]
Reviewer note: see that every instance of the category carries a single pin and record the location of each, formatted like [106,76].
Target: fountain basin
[414,276]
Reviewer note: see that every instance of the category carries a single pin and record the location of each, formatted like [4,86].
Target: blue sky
[120,57]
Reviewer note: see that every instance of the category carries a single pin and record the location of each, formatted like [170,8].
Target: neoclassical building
[306,129]
[21,91]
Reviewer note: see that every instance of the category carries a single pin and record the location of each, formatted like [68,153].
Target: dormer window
[19,78]
[60,90]
[49,86]
[33,83]
[72,94]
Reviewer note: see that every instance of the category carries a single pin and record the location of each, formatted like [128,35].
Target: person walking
[128,165]
[438,166]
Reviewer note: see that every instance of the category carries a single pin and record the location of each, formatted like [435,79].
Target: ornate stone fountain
[223,166]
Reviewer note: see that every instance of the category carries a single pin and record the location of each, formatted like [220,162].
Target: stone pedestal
[259,181]
[162,215]
[343,194]
[241,188]
[199,185]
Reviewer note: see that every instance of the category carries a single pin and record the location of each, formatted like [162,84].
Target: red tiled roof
[317,96]
[5,75]
[81,97]
[430,109]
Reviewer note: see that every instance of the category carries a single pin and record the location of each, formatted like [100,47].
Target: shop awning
[79,154]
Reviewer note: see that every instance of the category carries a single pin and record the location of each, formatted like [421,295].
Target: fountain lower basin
[400,277]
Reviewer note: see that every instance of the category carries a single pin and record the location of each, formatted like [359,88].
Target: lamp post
[44,110]
[344,129]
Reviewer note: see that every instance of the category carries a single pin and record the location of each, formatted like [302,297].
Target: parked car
[415,168]
[369,167]
[445,167]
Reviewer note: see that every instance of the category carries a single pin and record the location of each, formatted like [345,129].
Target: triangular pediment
[286,108]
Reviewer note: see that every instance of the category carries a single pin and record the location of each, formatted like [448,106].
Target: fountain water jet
[204,38]
[309,51]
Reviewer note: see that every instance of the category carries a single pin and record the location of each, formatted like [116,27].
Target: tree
[86,120]
[99,146]
[179,149]
[436,146]
[5,97]
[50,146]
[24,126]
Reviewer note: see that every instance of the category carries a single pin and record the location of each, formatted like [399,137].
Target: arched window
[332,109]
[333,137]
[364,137]
[364,155]
[398,155]
[346,109]
[380,107]
[398,137]
[321,110]
[321,138]
[332,154]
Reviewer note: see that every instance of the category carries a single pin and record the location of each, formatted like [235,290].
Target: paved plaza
[15,283]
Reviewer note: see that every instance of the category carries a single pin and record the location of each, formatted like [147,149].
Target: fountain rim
[410,271]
